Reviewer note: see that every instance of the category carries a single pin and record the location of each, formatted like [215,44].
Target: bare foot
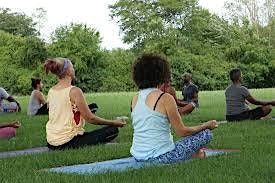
[268,117]
[200,154]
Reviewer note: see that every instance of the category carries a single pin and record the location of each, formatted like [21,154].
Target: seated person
[8,130]
[68,110]
[153,114]
[184,107]
[10,105]
[190,91]
[37,103]
[236,97]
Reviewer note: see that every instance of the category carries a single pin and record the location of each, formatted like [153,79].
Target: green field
[255,162]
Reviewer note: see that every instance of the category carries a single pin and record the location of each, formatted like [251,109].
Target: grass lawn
[255,163]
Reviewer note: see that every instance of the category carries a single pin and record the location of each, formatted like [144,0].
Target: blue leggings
[185,148]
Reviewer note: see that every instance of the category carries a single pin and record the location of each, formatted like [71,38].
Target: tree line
[193,39]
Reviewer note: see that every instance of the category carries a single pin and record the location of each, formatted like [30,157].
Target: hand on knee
[267,109]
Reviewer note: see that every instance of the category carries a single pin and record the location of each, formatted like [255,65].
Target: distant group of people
[154,110]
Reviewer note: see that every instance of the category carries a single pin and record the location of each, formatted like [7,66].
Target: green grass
[255,163]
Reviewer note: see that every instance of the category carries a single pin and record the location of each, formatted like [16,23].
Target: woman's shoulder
[36,92]
[75,89]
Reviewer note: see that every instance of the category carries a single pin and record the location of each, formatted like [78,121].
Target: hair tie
[65,67]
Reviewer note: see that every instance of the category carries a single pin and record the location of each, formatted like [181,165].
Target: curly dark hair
[151,70]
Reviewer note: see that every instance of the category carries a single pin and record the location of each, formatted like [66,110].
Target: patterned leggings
[185,148]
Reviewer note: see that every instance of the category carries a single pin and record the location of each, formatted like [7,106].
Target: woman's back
[152,134]
[34,103]
[61,126]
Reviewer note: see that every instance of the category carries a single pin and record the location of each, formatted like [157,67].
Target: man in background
[190,91]
[190,95]
[237,97]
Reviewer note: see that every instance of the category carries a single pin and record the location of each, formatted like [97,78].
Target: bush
[20,58]
[118,72]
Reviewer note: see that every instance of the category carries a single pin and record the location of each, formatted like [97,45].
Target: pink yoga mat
[7,132]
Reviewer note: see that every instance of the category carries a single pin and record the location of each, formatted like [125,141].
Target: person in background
[8,103]
[237,96]
[190,91]
[8,130]
[37,103]
[68,111]
[184,107]
[153,114]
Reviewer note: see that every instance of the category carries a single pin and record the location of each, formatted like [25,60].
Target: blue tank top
[152,130]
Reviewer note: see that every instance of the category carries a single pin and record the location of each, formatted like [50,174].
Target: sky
[94,13]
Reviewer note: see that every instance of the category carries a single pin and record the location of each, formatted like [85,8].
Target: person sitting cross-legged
[237,97]
[184,107]
[8,103]
[190,91]
[153,114]
[37,103]
[68,109]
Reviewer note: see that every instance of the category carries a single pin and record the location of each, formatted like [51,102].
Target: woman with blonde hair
[68,112]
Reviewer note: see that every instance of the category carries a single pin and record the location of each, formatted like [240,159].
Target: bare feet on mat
[199,154]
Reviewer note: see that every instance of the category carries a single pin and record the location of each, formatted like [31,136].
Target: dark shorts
[44,110]
[99,136]
[253,114]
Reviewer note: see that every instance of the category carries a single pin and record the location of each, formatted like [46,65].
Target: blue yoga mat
[117,165]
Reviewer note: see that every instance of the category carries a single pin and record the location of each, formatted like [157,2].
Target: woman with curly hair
[153,114]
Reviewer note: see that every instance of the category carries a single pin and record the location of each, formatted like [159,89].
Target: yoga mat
[120,165]
[35,150]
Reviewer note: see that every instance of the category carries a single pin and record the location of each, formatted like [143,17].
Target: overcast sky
[92,12]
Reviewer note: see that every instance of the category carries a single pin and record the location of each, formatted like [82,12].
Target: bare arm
[5,125]
[78,98]
[175,119]
[15,124]
[254,101]
[172,92]
[41,98]
[181,103]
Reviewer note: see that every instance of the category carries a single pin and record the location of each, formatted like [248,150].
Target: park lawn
[255,162]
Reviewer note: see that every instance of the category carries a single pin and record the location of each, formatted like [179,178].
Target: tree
[20,58]
[145,20]
[118,71]
[40,17]
[17,23]
[81,44]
